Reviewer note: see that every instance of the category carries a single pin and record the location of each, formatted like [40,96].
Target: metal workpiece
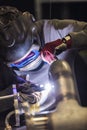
[61,76]
[34,121]
[39,122]
[69,114]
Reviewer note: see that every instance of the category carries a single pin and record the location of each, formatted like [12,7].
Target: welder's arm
[30,92]
[76,29]
[8,77]
[73,35]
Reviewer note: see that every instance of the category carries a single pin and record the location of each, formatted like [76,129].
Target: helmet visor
[29,61]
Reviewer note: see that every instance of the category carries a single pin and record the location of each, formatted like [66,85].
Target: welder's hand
[47,53]
[31,98]
[51,49]
[30,92]
[48,57]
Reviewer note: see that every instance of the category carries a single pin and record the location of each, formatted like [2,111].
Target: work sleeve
[8,76]
[76,29]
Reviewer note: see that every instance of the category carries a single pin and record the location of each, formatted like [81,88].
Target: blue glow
[31,57]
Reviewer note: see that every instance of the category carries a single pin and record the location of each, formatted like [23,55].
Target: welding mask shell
[18,33]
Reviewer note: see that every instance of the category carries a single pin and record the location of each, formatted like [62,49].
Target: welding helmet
[19,39]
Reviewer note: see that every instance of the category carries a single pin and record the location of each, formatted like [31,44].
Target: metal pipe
[6,97]
[60,75]
[7,124]
[69,114]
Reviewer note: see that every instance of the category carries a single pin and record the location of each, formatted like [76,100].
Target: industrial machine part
[69,114]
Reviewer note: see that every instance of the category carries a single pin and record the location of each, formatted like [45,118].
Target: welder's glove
[51,49]
[30,92]
[66,44]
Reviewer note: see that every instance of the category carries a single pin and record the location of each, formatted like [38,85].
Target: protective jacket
[50,30]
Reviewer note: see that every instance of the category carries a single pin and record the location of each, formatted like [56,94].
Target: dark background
[60,10]
[71,10]
[23,5]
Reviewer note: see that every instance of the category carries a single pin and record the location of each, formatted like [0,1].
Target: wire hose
[6,97]
[8,126]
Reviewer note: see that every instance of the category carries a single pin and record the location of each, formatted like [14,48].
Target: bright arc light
[47,89]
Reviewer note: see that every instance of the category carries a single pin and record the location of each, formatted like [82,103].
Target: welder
[29,46]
